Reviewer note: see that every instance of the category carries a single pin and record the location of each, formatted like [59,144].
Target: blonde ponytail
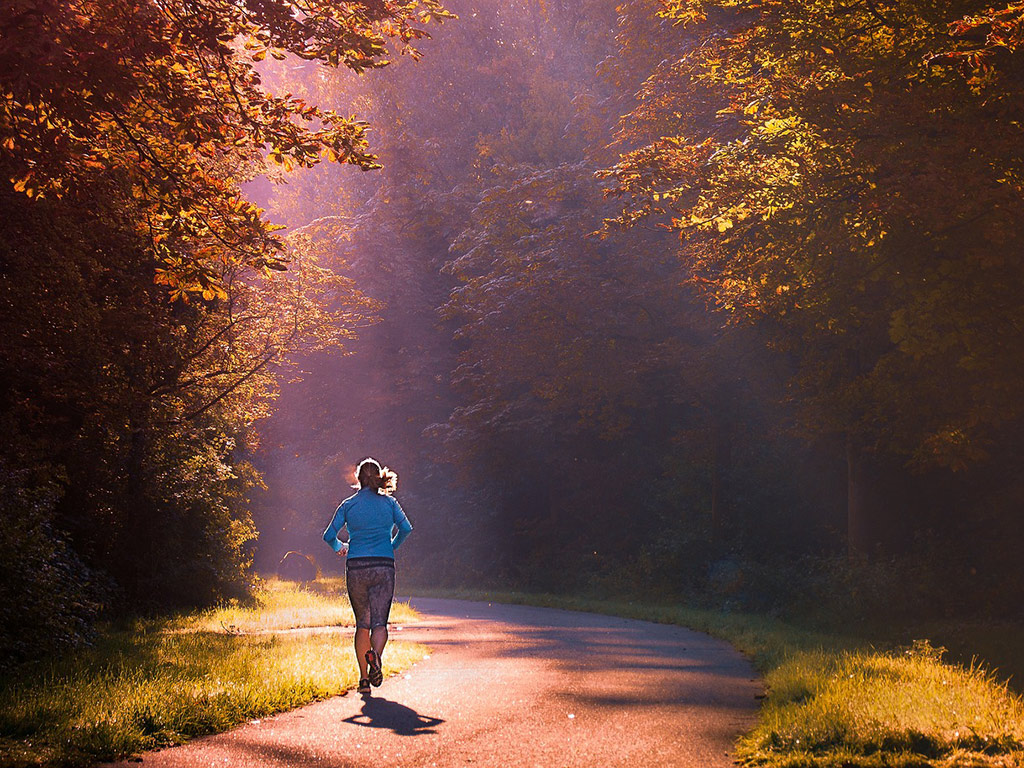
[370,475]
[387,482]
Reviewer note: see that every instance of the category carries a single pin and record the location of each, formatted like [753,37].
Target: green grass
[837,701]
[281,605]
[156,684]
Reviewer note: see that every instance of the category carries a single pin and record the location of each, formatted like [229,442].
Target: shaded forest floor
[869,696]
[157,682]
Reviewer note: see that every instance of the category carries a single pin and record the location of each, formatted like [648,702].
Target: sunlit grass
[870,708]
[146,687]
[835,702]
[280,605]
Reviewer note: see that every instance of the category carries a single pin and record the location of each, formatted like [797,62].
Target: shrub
[48,598]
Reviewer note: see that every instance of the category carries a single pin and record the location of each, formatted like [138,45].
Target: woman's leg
[381,593]
[377,638]
[359,598]
[362,646]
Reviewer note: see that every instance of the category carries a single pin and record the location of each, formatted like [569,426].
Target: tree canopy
[148,304]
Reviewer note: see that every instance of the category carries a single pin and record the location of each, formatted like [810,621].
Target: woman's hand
[344,549]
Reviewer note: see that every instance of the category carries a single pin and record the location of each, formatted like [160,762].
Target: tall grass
[145,687]
[871,708]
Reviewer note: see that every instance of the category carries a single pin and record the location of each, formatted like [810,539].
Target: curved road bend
[515,686]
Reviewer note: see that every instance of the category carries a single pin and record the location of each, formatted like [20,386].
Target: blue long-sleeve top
[371,518]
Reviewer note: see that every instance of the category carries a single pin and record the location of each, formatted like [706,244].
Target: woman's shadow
[381,713]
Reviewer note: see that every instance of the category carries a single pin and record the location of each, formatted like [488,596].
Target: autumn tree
[833,181]
[147,303]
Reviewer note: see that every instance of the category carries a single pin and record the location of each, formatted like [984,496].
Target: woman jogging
[371,515]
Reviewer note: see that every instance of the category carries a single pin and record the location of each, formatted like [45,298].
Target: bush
[48,598]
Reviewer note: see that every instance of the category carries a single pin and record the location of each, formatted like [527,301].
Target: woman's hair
[370,474]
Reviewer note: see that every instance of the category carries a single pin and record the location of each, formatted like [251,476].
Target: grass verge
[837,701]
[156,684]
[281,605]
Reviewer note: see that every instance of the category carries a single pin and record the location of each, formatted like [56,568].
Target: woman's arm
[403,524]
[331,534]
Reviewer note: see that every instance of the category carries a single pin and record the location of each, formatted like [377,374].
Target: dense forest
[709,297]
[671,291]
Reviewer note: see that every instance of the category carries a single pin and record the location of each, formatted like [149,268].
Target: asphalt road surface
[515,686]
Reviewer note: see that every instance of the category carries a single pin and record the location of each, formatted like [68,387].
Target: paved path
[516,686]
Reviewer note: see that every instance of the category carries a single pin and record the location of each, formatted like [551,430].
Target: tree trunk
[721,455]
[858,536]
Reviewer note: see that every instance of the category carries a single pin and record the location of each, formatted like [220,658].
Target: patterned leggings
[371,588]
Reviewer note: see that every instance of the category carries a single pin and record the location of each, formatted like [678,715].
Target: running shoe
[374,670]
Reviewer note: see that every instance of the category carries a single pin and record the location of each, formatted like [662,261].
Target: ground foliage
[148,305]
[156,683]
